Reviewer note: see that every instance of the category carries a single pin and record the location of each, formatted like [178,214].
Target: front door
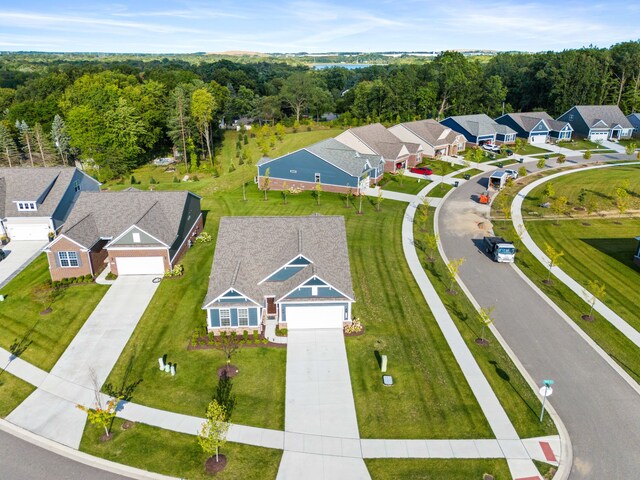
[271,306]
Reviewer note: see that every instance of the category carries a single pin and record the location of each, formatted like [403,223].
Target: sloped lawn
[13,391]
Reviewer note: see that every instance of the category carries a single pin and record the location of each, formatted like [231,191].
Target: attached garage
[538,138]
[28,231]
[140,265]
[316,316]
[598,136]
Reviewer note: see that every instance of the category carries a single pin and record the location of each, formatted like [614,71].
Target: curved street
[600,410]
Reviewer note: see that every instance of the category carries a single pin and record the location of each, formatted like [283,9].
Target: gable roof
[343,157]
[382,141]
[481,124]
[44,184]
[555,125]
[611,115]
[432,132]
[526,121]
[249,249]
[97,215]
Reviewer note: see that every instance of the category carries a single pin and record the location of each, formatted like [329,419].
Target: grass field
[599,186]
[436,469]
[441,167]
[472,172]
[601,251]
[13,392]
[548,155]
[529,149]
[177,454]
[406,184]
[439,190]
[520,402]
[580,144]
[45,336]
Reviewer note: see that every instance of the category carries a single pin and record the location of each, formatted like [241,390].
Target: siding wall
[190,226]
[213,319]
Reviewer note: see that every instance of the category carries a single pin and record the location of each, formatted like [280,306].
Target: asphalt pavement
[599,409]
[21,460]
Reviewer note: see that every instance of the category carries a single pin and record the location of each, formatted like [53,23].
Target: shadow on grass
[505,376]
[620,249]
[126,388]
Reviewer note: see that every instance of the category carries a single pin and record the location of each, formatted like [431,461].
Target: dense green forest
[117,112]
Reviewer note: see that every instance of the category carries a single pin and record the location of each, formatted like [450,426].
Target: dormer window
[27,206]
[76,186]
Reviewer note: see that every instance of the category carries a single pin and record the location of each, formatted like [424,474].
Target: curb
[566,455]
[80,457]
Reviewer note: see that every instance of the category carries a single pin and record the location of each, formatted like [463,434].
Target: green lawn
[626,141]
[532,150]
[436,469]
[580,144]
[46,336]
[441,167]
[406,184]
[548,155]
[505,162]
[601,251]
[177,454]
[472,172]
[608,337]
[439,190]
[599,186]
[520,402]
[13,391]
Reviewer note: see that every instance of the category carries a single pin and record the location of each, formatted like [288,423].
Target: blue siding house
[537,127]
[480,129]
[287,271]
[598,122]
[333,165]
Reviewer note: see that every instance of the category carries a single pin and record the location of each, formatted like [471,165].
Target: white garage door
[140,265]
[28,232]
[538,138]
[315,317]
[595,136]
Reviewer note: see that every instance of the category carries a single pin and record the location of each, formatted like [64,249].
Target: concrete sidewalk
[20,253]
[516,216]
[84,366]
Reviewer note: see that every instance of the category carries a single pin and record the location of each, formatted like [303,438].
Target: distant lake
[348,66]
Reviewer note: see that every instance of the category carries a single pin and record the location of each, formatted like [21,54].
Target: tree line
[117,115]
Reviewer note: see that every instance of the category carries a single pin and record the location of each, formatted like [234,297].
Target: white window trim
[26,206]
[314,291]
[227,316]
[317,178]
[243,315]
[68,259]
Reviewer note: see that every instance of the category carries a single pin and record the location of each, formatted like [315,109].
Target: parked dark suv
[3,255]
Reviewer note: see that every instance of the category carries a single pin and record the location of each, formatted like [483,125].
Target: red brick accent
[156,252]
[193,233]
[65,245]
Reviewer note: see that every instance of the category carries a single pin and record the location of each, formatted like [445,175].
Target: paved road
[20,460]
[600,410]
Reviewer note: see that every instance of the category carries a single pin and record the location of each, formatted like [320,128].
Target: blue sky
[313,26]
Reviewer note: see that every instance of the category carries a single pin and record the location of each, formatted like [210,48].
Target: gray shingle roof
[481,124]
[609,114]
[98,215]
[382,141]
[343,157]
[432,132]
[31,184]
[555,125]
[249,249]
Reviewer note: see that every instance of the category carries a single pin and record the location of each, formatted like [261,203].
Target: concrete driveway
[50,410]
[600,410]
[321,429]
[19,254]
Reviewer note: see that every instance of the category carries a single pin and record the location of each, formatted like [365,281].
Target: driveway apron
[50,410]
[321,427]
[19,254]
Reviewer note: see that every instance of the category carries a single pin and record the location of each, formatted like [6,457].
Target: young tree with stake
[213,433]
[554,257]
[595,291]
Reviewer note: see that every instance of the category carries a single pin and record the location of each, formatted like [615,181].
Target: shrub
[133,180]
[80,279]
[232,168]
[245,337]
[55,284]
[204,237]
[355,326]
[195,178]
[111,276]
[152,181]
[255,337]
[88,277]
[175,179]
[177,271]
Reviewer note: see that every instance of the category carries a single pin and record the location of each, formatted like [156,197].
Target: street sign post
[545,391]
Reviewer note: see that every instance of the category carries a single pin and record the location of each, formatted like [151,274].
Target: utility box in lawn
[499,249]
